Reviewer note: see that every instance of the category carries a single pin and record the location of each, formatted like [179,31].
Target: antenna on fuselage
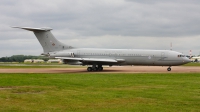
[171,46]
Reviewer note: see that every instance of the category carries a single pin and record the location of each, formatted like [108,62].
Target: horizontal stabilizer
[33,29]
[47,40]
[88,59]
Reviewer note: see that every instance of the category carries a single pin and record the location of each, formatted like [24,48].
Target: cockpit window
[181,55]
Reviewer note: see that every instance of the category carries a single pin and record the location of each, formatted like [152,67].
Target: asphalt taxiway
[115,69]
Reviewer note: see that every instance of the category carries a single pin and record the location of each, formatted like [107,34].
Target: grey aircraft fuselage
[127,56]
[99,57]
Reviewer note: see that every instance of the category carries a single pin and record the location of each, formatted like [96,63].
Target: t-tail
[46,39]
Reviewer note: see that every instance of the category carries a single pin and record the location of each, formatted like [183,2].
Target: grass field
[100,92]
[192,64]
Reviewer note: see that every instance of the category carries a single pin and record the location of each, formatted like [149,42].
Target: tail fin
[46,39]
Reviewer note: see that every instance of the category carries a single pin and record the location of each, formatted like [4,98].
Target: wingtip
[14,26]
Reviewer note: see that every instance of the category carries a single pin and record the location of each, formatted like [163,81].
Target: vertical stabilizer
[46,39]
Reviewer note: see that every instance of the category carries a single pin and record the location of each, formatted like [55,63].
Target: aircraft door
[153,59]
[162,54]
[150,60]
[163,57]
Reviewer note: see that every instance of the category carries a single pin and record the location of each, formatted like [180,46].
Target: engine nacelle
[61,54]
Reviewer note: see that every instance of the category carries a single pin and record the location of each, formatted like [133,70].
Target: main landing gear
[169,68]
[94,68]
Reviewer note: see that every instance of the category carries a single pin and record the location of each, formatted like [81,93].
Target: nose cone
[186,60]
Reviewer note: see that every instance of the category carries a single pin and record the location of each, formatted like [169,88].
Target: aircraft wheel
[95,69]
[89,69]
[168,69]
[100,68]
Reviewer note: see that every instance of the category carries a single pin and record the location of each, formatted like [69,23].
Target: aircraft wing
[92,59]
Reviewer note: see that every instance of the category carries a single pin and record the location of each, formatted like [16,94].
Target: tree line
[21,58]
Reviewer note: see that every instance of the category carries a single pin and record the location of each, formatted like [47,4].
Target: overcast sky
[135,24]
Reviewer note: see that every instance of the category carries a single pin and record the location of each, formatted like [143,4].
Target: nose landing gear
[169,68]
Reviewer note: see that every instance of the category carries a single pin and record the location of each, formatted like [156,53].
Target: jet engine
[61,54]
